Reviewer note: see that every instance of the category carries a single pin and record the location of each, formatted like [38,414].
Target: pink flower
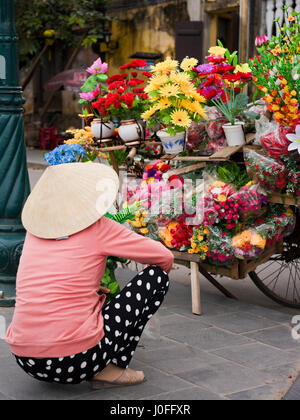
[89,96]
[259,41]
[98,67]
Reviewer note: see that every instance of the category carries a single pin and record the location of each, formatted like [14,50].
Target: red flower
[115,78]
[215,59]
[134,64]
[147,74]
[115,85]
[128,98]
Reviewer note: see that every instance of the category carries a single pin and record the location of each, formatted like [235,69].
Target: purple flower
[97,67]
[205,68]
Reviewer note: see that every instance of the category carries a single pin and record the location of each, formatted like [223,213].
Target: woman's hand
[104,289]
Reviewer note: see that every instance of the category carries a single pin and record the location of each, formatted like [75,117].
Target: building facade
[160,28]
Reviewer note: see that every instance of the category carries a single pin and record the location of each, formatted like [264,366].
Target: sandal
[128,378]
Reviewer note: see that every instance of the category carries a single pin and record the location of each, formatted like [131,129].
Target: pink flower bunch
[97,67]
[259,41]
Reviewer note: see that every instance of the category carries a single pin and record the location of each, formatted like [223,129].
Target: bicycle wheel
[279,278]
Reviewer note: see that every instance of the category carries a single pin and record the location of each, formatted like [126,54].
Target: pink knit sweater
[58,310]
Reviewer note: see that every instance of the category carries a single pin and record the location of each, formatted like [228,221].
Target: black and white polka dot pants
[125,318]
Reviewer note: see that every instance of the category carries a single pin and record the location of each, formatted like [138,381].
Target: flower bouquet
[219,207]
[125,100]
[276,71]
[199,242]
[249,244]
[93,90]
[175,233]
[174,102]
[251,202]
[220,250]
[271,174]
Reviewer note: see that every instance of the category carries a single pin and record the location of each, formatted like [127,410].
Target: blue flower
[66,153]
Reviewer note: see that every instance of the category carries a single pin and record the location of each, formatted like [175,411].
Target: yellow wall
[145,29]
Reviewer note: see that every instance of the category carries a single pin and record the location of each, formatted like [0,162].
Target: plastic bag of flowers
[220,249]
[275,141]
[284,220]
[271,174]
[219,208]
[249,244]
[197,139]
[175,233]
[250,202]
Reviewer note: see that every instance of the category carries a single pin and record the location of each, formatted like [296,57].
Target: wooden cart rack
[237,270]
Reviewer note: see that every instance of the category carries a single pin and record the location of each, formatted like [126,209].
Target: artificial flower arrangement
[93,88]
[222,82]
[222,67]
[174,102]
[125,99]
[276,70]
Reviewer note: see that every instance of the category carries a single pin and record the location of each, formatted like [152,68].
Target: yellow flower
[188,64]
[148,114]
[73,141]
[144,231]
[199,98]
[198,109]
[163,103]
[169,90]
[217,51]
[204,248]
[291,18]
[257,240]
[181,118]
[188,90]
[293,93]
[243,68]
[156,82]
[179,78]
[102,155]
[165,66]
[191,251]
[289,212]
[185,103]
[200,238]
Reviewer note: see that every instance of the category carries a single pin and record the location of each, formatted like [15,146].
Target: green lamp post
[14,181]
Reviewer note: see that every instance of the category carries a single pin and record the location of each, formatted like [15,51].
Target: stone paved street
[234,351]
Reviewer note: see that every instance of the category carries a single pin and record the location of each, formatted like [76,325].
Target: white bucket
[234,134]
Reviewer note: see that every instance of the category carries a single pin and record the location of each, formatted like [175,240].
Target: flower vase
[234,134]
[102,130]
[130,130]
[173,145]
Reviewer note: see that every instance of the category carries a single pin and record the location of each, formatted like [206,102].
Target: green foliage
[231,173]
[69,19]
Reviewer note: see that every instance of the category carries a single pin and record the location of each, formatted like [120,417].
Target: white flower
[295,139]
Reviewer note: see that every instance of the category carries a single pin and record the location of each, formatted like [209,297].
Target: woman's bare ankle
[109,373]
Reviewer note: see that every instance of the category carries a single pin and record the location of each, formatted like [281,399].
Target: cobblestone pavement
[234,351]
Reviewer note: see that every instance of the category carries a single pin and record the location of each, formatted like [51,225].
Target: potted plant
[234,107]
[125,100]
[174,102]
[94,88]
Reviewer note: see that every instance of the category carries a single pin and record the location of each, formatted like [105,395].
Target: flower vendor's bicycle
[279,278]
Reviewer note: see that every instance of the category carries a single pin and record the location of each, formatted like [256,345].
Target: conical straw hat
[69,198]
